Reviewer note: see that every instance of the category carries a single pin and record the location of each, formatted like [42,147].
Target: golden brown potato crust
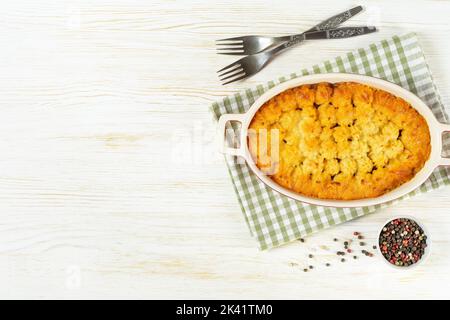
[341,141]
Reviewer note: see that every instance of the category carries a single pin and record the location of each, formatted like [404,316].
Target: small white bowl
[426,251]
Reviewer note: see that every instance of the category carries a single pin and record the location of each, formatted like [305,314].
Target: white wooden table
[110,186]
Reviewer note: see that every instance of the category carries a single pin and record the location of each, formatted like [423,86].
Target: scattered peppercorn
[368,254]
[419,236]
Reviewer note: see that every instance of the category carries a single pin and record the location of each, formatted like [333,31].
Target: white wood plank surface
[110,186]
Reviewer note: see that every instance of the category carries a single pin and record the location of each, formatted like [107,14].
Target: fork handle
[336,20]
[287,42]
[327,24]
[339,33]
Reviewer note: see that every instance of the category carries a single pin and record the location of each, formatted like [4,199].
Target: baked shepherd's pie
[340,141]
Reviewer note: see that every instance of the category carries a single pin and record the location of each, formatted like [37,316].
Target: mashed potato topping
[341,141]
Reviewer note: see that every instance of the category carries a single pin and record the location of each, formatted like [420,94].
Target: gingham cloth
[274,219]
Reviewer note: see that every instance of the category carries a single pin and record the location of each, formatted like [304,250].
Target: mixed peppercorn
[402,242]
[345,250]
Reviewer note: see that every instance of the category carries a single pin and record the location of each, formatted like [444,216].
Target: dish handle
[221,133]
[444,128]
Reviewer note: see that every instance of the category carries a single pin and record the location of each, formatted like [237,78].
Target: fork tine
[238,69]
[232,53]
[233,74]
[230,43]
[236,79]
[231,39]
[230,48]
[241,48]
[234,65]
[238,51]
[227,71]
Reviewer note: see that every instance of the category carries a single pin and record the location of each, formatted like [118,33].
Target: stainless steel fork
[252,64]
[247,45]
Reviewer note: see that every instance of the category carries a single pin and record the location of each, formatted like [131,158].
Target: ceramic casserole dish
[436,130]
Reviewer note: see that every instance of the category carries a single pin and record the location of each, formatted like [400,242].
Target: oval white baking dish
[436,130]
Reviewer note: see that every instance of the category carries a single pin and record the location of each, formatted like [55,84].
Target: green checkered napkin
[274,219]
